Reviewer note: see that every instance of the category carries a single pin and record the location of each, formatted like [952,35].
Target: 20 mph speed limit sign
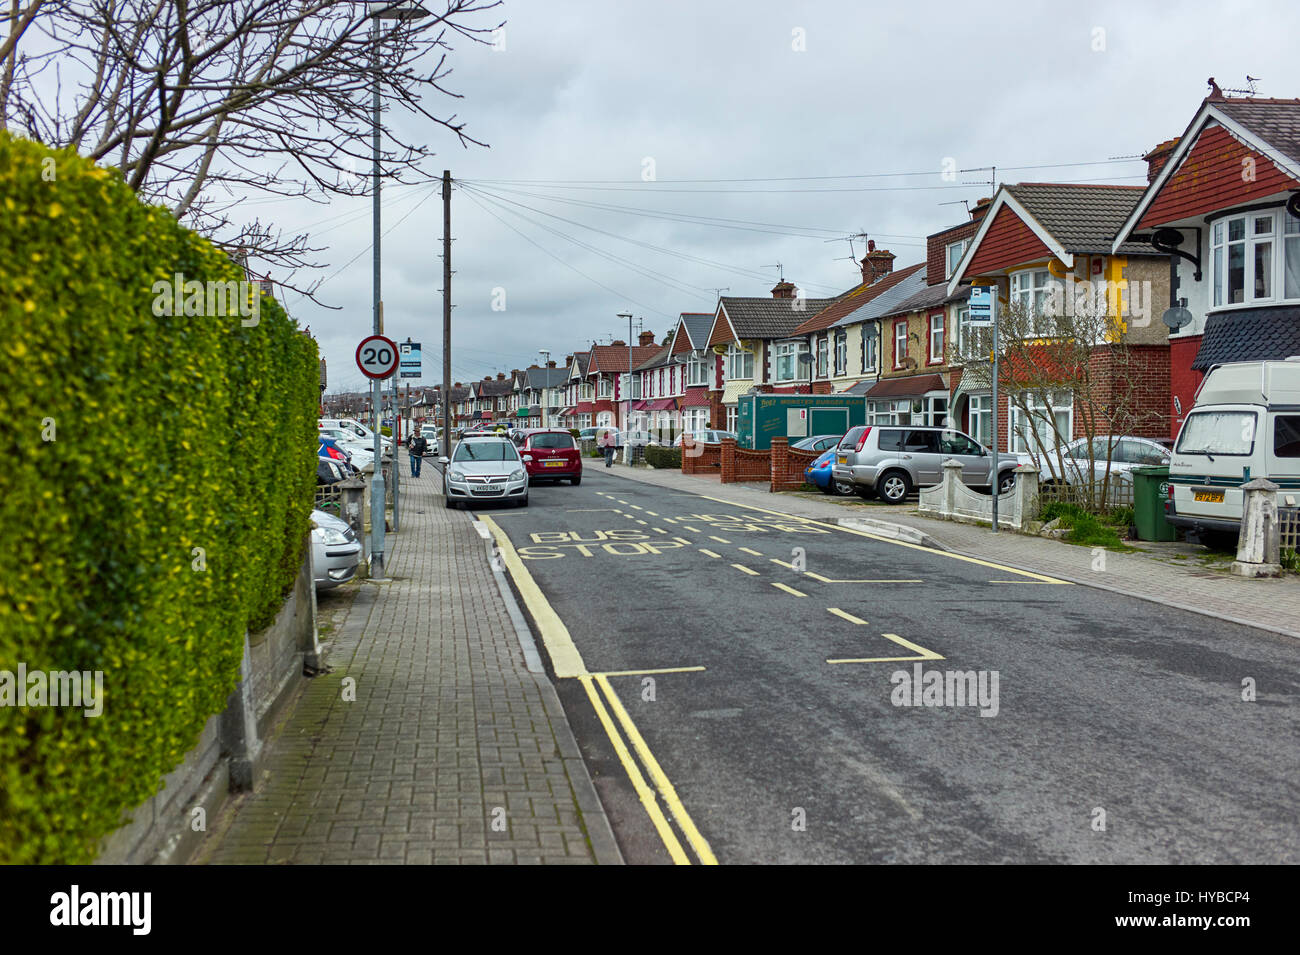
[377,357]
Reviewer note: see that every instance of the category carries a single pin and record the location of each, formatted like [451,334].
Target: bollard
[1258,544]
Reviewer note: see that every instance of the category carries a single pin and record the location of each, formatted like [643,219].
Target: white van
[357,428]
[1245,425]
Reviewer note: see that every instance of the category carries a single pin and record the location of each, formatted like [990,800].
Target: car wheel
[576,481]
[1006,481]
[843,488]
[894,487]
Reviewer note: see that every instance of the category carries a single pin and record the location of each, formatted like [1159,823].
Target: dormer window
[954,251]
[1254,256]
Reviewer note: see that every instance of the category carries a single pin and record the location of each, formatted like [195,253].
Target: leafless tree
[197,103]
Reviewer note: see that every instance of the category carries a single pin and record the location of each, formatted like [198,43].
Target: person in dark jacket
[418,447]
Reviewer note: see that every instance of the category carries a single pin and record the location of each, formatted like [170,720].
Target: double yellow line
[567,663]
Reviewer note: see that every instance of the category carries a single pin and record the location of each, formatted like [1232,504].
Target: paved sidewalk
[451,736]
[1270,604]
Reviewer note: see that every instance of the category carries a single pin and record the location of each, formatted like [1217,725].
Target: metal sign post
[983,314]
[377,357]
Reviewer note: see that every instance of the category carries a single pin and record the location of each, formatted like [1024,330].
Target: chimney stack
[501,376]
[876,264]
[646,338]
[980,208]
[550,364]
[1157,158]
[618,343]
[783,289]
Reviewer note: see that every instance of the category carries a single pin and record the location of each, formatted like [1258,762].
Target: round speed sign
[377,357]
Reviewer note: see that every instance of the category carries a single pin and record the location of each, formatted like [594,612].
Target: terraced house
[607,370]
[1225,196]
[1038,245]
[579,393]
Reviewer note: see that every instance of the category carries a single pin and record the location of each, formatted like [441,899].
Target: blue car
[819,474]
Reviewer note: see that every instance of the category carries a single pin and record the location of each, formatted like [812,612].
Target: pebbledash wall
[168,827]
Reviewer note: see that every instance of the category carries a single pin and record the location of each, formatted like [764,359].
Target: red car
[551,454]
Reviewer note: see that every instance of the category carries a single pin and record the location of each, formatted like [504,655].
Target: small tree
[1068,351]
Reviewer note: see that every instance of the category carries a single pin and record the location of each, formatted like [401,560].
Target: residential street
[772,719]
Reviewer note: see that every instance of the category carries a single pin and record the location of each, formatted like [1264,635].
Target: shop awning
[913,386]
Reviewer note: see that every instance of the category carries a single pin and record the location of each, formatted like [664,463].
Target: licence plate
[1210,497]
[841,459]
[552,464]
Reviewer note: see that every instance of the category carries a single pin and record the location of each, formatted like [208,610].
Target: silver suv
[890,460]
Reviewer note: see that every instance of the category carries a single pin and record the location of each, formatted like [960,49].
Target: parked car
[1245,424]
[355,455]
[329,471]
[358,431]
[819,474]
[890,461]
[820,442]
[707,436]
[1125,454]
[551,454]
[335,550]
[485,469]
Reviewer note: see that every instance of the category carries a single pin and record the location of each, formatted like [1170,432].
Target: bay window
[961,339]
[1031,290]
[1046,420]
[1248,264]
[786,360]
[740,363]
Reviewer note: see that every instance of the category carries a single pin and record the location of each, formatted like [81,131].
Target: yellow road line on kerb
[643,790]
[565,658]
[665,787]
[650,672]
[889,540]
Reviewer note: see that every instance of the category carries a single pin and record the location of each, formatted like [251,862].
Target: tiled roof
[1083,217]
[1276,121]
[888,301]
[769,317]
[909,387]
[659,358]
[495,388]
[931,296]
[546,377]
[581,359]
[856,298]
[1264,334]
[614,358]
[697,325]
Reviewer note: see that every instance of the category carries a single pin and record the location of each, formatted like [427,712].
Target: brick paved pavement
[450,734]
[1270,604]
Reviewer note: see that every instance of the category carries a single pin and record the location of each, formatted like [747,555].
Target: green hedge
[663,457]
[168,434]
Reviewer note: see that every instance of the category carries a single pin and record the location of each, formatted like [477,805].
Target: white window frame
[950,259]
[1283,234]
[961,327]
[698,369]
[1061,404]
[1031,289]
[940,318]
[740,363]
[841,353]
[900,340]
[787,354]
[980,416]
[823,356]
[603,389]
[870,350]
[732,415]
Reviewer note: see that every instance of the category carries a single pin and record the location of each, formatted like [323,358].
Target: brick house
[760,349]
[579,393]
[655,394]
[701,371]
[1228,188]
[607,370]
[1043,239]
[544,393]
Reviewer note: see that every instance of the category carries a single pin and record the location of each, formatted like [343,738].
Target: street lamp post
[384,11]
[627,442]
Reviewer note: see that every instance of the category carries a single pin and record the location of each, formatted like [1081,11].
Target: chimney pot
[550,364]
[501,376]
[876,264]
[783,289]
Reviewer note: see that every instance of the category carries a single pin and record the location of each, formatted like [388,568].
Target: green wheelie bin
[1150,488]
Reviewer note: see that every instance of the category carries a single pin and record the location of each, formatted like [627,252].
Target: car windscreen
[1218,432]
[485,451]
[554,441]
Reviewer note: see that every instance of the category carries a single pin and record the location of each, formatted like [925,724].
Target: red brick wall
[823,388]
[788,466]
[707,458]
[936,254]
[1183,379]
[1212,176]
[739,464]
[1136,384]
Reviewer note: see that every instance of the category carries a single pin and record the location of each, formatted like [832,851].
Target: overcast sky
[586,94]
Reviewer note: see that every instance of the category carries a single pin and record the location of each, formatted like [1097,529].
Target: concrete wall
[166,828]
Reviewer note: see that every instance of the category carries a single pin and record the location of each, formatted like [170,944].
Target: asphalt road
[790,744]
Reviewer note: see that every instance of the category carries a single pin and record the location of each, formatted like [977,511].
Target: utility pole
[444,446]
[376,388]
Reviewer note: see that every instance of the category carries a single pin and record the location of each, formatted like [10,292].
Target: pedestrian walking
[609,443]
[417,447]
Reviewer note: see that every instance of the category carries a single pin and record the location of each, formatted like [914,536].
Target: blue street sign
[981,305]
[410,359]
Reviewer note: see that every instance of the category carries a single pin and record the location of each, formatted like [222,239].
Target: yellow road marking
[693,530]
[660,530]
[668,519]
[621,501]
[647,672]
[750,550]
[789,590]
[882,580]
[847,616]
[752,573]
[1029,581]
[662,783]
[639,521]
[709,552]
[638,507]
[889,540]
[643,790]
[652,513]
[682,540]
[782,563]
[720,540]
[564,654]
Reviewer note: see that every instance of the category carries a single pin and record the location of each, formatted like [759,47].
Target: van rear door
[1215,455]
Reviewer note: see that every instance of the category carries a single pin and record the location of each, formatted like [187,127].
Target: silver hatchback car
[485,469]
[889,461]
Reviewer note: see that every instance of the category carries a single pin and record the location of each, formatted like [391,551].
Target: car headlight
[517,474]
[331,537]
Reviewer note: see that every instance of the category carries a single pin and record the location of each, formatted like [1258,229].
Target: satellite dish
[1166,240]
[805,358]
[1176,317]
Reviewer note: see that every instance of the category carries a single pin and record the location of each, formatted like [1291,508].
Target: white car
[335,550]
[361,453]
[356,431]
[1126,453]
